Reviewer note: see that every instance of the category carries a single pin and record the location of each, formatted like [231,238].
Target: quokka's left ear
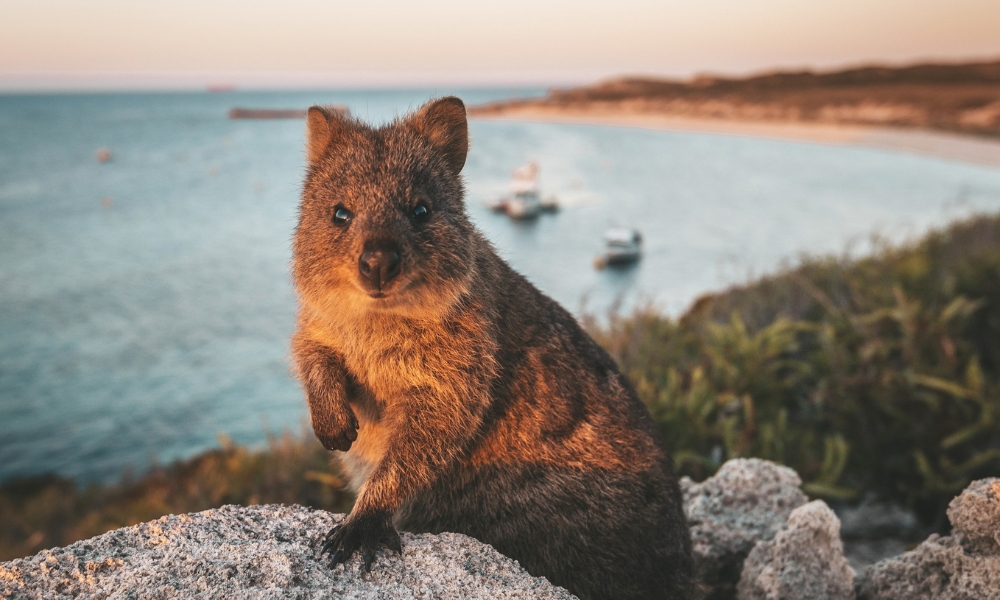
[444,124]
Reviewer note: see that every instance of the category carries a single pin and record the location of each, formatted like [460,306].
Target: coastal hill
[948,97]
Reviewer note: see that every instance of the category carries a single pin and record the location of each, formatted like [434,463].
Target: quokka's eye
[420,213]
[341,216]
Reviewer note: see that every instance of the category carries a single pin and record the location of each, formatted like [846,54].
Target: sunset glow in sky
[256,43]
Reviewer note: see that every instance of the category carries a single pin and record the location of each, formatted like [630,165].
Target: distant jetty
[267,113]
[275,113]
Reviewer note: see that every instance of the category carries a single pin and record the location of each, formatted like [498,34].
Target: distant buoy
[103,155]
[107,202]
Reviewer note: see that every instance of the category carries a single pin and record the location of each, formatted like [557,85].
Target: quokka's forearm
[432,434]
[324,379]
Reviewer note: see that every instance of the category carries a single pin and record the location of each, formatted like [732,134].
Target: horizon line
[194,81]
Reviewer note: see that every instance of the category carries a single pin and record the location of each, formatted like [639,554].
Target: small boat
[624,247]
[524,201]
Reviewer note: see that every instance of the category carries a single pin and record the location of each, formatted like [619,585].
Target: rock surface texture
[748,500]
[263,552]
[964,565]
[804,561]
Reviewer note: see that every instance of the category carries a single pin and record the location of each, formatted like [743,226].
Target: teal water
[145,303]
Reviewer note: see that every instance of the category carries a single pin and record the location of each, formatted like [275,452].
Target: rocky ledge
[754,536]
[263,552]
[964,565]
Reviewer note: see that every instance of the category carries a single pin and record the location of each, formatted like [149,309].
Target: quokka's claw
[329,540]
[326,547]
[393,543]
[365,534]
[337,558]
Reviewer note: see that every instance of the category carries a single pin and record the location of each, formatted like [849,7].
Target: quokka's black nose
[379,264]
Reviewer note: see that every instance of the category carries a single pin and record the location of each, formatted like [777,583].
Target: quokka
[462,398]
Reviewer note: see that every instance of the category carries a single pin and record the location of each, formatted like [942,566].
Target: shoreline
[926,142]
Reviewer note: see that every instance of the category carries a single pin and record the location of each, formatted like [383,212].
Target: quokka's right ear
[444,123]
[323,124]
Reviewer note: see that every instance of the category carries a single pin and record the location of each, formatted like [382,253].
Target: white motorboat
[623,247]
[524,201]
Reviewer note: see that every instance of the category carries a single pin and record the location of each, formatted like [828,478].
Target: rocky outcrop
[750,525]
[263,552]
[804,561]
[964,565]
[271,551]
[748,500]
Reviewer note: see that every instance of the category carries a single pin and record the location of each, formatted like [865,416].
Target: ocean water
[145,303]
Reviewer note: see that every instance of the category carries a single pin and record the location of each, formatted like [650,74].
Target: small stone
[875,530]
[874,520]
[975,514]
[804,561]
[747,501]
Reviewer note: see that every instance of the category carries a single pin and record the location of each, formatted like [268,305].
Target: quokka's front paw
[365,534]
[338,435]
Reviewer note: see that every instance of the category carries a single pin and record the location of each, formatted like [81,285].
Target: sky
[54,44]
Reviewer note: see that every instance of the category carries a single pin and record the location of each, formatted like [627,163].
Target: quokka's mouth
[383,294]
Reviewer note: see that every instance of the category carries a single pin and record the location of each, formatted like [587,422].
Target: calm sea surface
[145,303]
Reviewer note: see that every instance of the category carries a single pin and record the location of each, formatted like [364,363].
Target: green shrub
[877,375]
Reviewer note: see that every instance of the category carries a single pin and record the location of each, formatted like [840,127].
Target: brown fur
[463,398]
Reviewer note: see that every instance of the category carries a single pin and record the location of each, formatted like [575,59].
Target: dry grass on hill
[960,97]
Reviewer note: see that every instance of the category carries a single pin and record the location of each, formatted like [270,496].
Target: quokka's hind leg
[598,533]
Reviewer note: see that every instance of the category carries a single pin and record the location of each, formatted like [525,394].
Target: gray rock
[263,552]
[975,515]
[874,520]
[938,569]
[863,553]
[747,501]
[874,530]
[965,565]
[804,561]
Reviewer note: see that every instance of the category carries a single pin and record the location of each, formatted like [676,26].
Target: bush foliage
[879,375]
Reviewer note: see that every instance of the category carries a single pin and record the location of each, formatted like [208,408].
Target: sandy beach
[952,146]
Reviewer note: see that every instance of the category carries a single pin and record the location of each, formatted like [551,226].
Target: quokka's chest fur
[389,354]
